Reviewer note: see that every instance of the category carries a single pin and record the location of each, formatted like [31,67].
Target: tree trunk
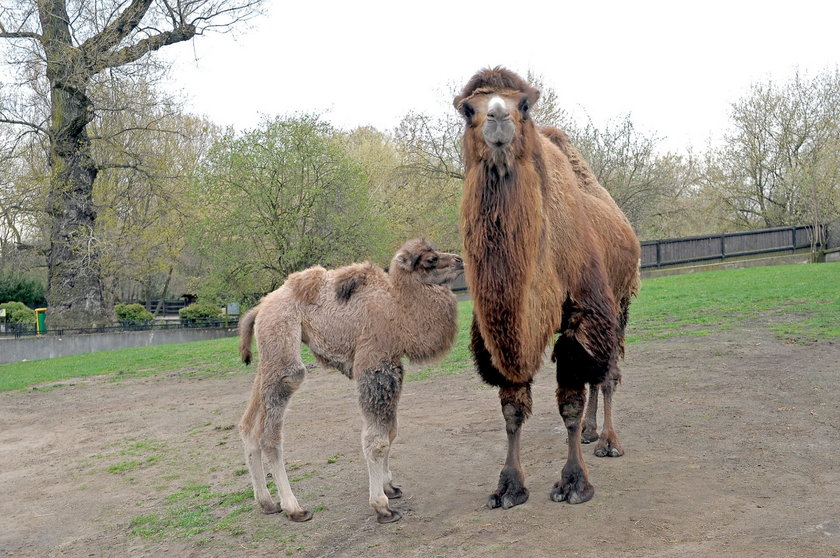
[161,305]
[74,284]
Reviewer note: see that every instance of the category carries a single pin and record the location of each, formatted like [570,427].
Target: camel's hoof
[512,497]
[388,516]
[511,491]
[301,516]
[588,436]
[270,507]
[607,448]
[393,492]
[573,488]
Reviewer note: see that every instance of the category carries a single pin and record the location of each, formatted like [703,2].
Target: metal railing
[29,329]
[695,249]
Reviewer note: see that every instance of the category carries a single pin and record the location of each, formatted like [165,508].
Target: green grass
[801,301]
[198,513]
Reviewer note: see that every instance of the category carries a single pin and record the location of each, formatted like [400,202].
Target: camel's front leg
[574,486]
[516,407]
[379,393]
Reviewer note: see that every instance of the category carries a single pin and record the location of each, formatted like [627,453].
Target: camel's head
[419,258]
[496,105]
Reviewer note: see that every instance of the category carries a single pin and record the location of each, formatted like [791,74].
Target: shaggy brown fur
[548,251]
[361,321]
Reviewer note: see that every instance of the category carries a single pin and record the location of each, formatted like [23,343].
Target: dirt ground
[732,449]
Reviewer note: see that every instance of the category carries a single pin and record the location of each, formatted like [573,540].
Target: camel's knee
[516,403]
[571,403]
[375,446]
[609,385]
[277,388]
[379,393]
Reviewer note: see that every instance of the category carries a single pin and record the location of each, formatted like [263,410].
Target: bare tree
[779,163]
[61,49]
[644,181]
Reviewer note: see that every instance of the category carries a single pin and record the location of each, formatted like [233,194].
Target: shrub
[200,311]
[27,291]
[18,312]
[132,313]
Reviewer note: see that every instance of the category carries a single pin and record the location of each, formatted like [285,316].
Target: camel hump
[557,137]
[349,279]
[583,172]
[307,284]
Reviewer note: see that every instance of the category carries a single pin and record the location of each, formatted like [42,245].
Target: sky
[675,66]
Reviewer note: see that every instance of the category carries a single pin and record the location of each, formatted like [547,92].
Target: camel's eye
[432,262]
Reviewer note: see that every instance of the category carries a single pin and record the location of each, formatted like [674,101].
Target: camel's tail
[246,333]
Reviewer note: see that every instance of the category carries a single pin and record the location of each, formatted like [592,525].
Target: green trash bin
[41,320]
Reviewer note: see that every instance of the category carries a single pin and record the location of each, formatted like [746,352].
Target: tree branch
[23,123]
[136,51]
[18,34]
[117,30]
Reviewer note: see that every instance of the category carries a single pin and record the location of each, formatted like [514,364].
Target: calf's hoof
[393,492]
[300,516]
[270,507]
[388,516]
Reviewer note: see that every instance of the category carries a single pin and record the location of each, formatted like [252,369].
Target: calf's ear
[407,261]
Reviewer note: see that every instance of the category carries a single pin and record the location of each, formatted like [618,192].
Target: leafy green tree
[277,199]
[142,195]
[18,312]
[21,289]
[132,313]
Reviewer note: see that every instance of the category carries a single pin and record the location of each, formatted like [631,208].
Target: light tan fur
[361,321]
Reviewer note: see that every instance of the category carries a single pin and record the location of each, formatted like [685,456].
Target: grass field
[804,298]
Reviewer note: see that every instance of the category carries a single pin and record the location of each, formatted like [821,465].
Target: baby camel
[357,319]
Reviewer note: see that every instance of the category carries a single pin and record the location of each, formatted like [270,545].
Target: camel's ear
[527,101]
[466,110]
[407,261]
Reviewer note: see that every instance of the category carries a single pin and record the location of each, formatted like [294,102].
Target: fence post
[658,255]
[793,239]
[722,247]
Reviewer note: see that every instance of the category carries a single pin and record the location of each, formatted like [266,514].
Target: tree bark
[74,290]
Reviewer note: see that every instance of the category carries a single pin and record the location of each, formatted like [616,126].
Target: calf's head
[420,258]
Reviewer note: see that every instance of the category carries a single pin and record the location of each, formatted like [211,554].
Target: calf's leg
[379,394]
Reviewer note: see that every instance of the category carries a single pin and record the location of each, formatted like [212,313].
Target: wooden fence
[657,253]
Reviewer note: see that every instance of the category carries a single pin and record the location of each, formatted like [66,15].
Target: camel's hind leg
[590,421]
[281,372]
[379,393]
[265,436]
[391,491]
[608,445]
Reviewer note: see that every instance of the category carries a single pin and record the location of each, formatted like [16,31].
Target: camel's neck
[427,316]
[503,228]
